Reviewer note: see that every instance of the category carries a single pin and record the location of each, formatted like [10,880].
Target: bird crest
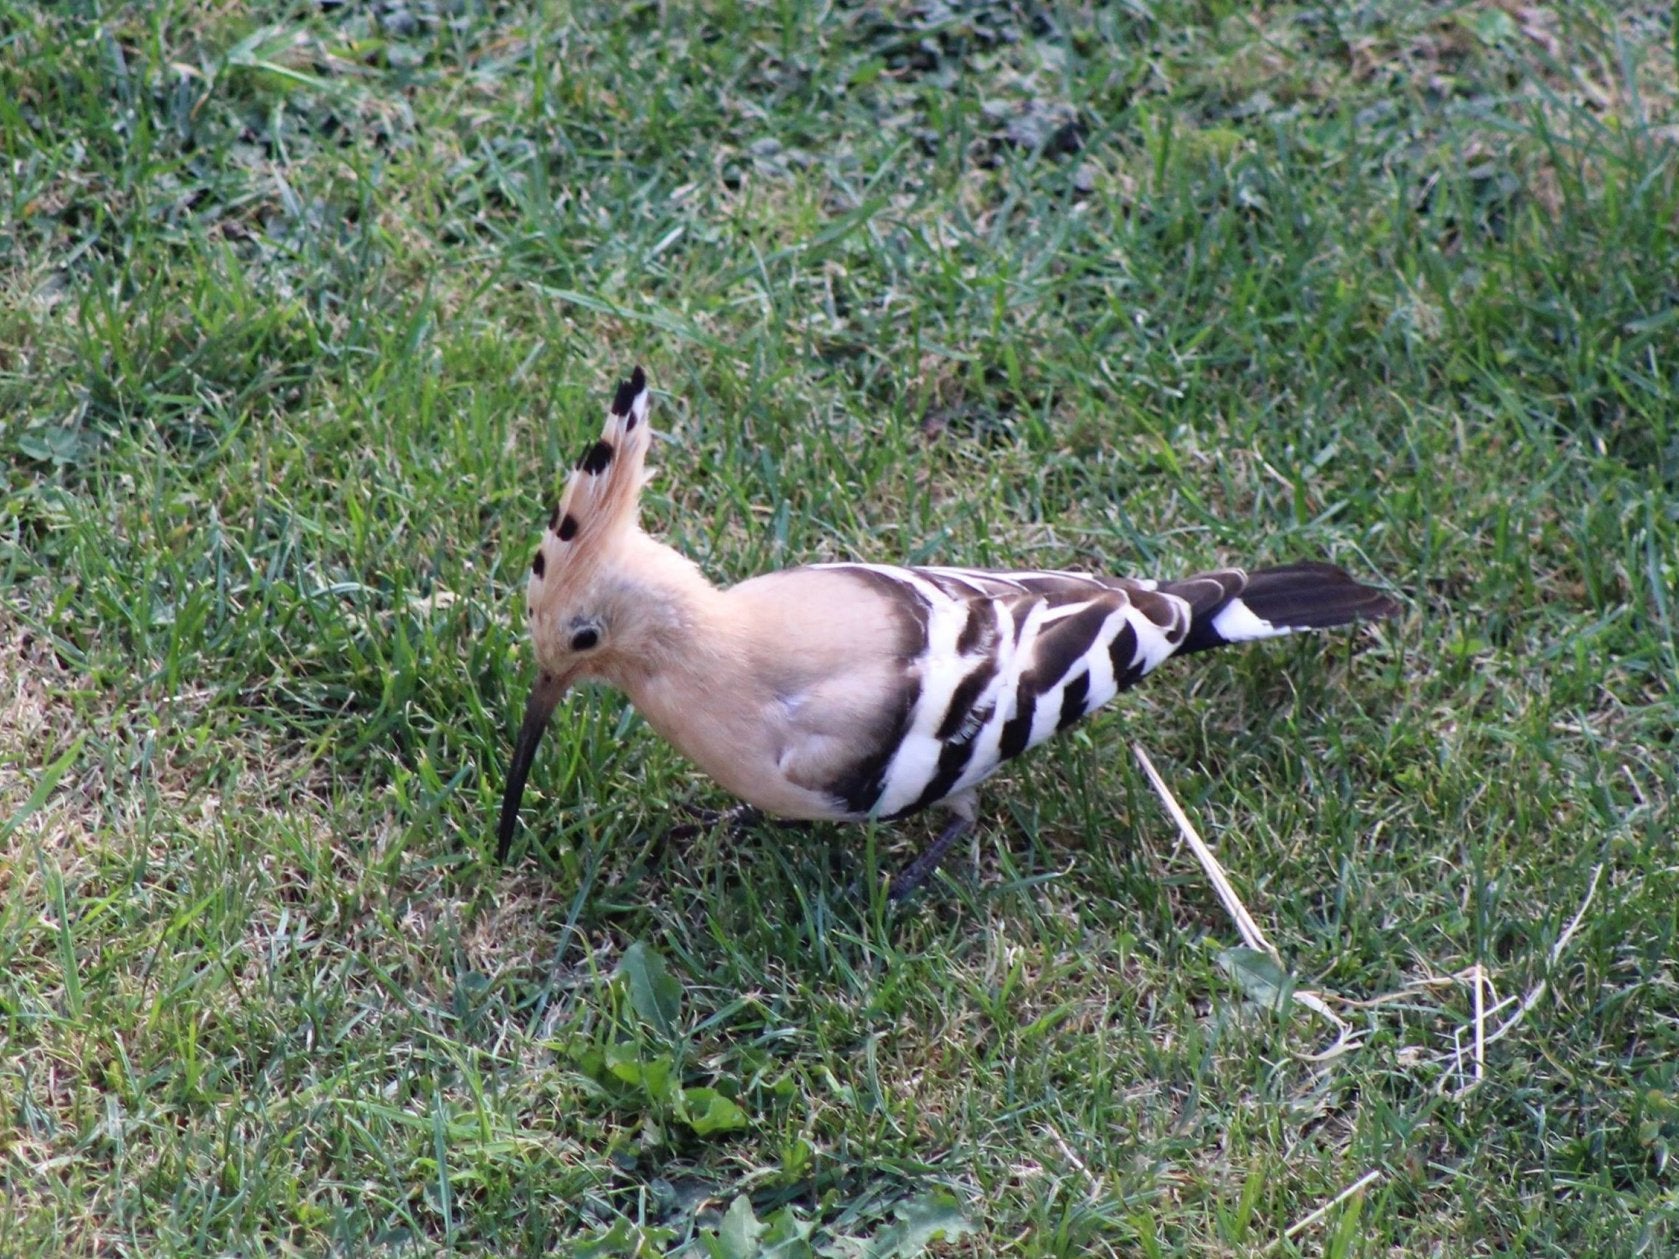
[601,494]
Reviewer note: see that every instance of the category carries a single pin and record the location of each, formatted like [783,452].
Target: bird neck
[680,624]
[690,672]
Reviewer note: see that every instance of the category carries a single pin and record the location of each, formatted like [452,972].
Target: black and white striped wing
[1007,660]
[1049,659]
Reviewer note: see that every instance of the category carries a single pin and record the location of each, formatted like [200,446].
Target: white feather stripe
[980,581]
[1046,717]
[912,768]
[1100,694]
[909,578]
[1238,623]
[1001,694]
[1096,663]
[1154,648]
[1103,685]
[961,578]
[943,668]
[1062,611]
[984,759]
[993,583]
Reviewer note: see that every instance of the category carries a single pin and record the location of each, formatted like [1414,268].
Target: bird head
[583,608]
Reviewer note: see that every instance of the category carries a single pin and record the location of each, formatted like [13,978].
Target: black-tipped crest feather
[628,391]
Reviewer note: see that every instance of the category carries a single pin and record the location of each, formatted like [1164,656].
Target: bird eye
[582,640]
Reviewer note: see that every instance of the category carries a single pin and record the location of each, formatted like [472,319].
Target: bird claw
[739,818]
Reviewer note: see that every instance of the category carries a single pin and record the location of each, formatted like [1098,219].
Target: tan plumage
[849,691]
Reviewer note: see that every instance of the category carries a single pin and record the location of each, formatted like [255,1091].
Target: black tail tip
[1235,607]
[628,391]
[1314,596]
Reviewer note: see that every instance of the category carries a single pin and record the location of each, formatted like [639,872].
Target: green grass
[304,310]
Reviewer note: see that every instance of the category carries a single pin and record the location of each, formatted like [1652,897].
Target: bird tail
[1233,606]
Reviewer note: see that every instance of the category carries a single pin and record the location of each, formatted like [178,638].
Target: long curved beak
[544,698]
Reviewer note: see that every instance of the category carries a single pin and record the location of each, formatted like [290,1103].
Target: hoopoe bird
[850,691]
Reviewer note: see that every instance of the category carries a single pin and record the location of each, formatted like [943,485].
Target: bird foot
[739,818]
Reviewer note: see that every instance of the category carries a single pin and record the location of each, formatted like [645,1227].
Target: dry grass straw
[1345,1038]
[1484,997]
[1254,938]
[1480,983]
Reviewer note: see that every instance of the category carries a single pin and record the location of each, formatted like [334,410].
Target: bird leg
[916,872]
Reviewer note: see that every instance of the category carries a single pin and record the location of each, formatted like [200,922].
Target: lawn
[305,310]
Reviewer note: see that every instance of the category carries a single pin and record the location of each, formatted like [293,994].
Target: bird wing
[995,663]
